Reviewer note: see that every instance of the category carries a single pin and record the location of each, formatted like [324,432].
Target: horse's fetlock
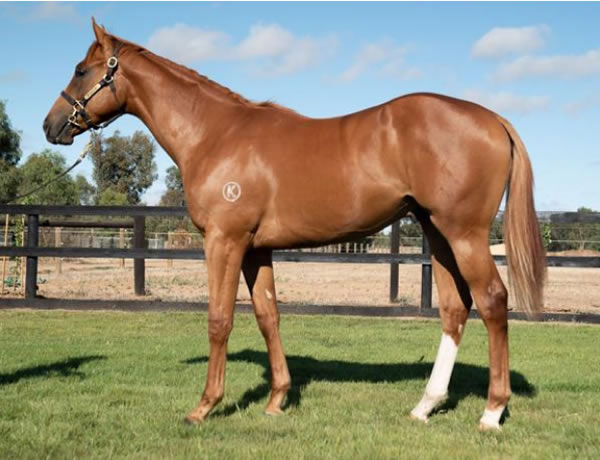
[283,386]
[499,398]
[436,397]
[211,399]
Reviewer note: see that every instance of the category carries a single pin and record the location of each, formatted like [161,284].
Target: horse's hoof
[190,420]
[419,417]
[489,427]
[274,412]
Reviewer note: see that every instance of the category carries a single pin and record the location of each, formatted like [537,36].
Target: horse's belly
[313,224]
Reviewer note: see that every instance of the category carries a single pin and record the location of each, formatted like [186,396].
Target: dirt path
[568,289]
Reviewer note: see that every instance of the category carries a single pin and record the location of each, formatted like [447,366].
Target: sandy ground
[568,289]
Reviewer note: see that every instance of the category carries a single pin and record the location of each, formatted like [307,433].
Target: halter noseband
[79,104]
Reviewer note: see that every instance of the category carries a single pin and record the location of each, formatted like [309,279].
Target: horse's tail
[524,247]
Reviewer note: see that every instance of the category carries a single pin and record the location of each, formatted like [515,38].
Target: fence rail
[278,256]
[32,251]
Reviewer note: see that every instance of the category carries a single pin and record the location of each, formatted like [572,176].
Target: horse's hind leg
[455,303]
[258,271]
[476,265]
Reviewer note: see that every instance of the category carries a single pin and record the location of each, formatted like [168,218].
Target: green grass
[111,384]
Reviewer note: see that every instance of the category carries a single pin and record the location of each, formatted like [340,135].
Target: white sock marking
[491,418]
[437,387]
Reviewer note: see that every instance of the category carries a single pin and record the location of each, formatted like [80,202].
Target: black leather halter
[79,104]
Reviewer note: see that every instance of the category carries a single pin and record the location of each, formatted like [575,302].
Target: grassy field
[108,384]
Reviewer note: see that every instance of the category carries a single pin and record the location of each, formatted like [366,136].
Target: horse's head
[95,94]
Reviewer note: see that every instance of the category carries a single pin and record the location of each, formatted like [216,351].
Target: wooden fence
[139,253]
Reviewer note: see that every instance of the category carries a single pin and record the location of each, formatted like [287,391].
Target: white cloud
[505,101]
[187,45]
[265,40]
[302,54]
[384,57]
[566,66]
[368,54]
[575,108]
[273,49]
[501,41]
[55,11]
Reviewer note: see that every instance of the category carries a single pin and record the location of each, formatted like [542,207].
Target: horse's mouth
[63,137]
[63,140]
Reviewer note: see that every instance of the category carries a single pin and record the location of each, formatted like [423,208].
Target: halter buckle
[112,62]
[73,119]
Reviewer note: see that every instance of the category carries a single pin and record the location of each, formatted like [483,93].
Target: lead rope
[83,154]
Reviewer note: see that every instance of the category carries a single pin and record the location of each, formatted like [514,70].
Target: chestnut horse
[259,177]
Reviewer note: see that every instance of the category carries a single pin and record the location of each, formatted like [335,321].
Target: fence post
[170,246]
[426,277]
[122,244]
[32,262]
[394,249]
[22,271]
[4,258]
[139,265]
[58,244]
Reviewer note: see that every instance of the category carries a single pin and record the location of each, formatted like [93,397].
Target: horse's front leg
[224,259]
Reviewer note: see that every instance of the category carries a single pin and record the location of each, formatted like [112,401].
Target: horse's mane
[192,75]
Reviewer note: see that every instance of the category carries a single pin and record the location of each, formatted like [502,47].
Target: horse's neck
[182,114]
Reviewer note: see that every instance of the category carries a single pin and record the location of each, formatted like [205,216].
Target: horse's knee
[219,328]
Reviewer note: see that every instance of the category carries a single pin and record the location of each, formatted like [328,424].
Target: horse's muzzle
[58,132]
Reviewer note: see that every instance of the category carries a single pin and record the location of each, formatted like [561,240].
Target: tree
[575,230]
[41,168]
[174,195]
[10,153]
[10,179]
[584,210]
[124,164]
[10,140]
[85,191]
[112,197]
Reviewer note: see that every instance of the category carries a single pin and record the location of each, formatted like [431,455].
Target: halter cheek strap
[79,104]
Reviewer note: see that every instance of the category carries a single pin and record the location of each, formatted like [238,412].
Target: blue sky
[538,64]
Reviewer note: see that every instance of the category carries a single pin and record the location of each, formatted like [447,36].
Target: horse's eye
[80,72]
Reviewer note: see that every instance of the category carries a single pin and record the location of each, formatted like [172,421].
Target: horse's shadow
[65,368]
[467,379]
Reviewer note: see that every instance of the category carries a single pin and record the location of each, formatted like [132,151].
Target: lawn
[110,384]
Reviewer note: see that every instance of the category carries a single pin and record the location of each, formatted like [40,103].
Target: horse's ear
[101,36]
